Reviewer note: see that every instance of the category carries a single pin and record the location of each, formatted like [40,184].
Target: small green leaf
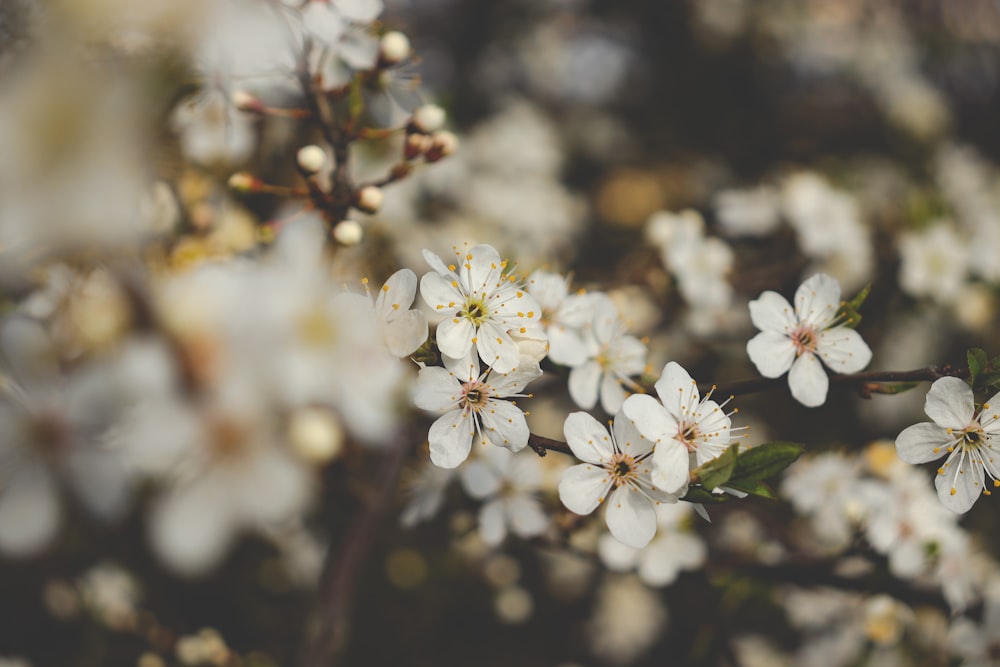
[754,488]
[763,461]
[717,471]
[892,388]
[977,363]
[848,311]
[697,494]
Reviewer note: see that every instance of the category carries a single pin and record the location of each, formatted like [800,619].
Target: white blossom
[509,484]
[970,438]
[615,468]
[688,430]
[472,404]
[481,303]
[795,340]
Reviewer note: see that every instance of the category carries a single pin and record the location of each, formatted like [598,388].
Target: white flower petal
[612,394]
[492,524]
[671,466]
[772,312]
[482,267]
[405,333]
[507,384]
[772,353]
[583,487]
[630,516]
[361,11]
[454,337]
[397,293]
[436,389]
[817,300]
[450,439]
[192,525]
[566,347]
[480,479]
[29,510]
[584,382]
[439,291]
[615,555]
[588,438]
[497,348]
[504,425]
[960,482]
[650,417]
[526,516]
[950,403]
[435,263]
[677,390]
[843,350]
[808,381]
[921,443]
[629,438]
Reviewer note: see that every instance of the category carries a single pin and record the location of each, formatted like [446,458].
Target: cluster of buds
[424,136]
[324,166]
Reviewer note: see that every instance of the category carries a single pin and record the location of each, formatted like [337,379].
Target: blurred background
[858,137]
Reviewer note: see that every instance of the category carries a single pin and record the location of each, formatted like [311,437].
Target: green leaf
[763,461]
[754,488]
[977,363]
[989,380]
[848,311]
[718,471]
[697,494]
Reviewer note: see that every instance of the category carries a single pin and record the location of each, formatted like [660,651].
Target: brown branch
[328,630]
[867,382]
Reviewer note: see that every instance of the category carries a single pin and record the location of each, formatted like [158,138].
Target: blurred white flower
[934,263]
[508,483]
[795,340]
[749,212]
[612,357]
[672,550]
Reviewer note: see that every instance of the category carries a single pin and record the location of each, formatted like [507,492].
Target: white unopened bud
[428,118]
[242,181]
[369,199]
[244,101]
[316,435]
[394,47]
[311,158]
[348,232]
[443,144]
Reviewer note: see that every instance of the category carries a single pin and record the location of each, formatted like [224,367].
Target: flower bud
[428,118]
[316,435]
[443,144]
[244,101]
[243,181]
[311,158]
[416,145]
[368,199]
[348,233]
[394,47]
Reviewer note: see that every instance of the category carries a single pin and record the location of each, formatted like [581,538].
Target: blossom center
[804,339]
[623,469]
[474,395]
[688,435]
[475,311]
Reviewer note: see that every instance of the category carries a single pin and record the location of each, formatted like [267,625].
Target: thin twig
[329,627]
